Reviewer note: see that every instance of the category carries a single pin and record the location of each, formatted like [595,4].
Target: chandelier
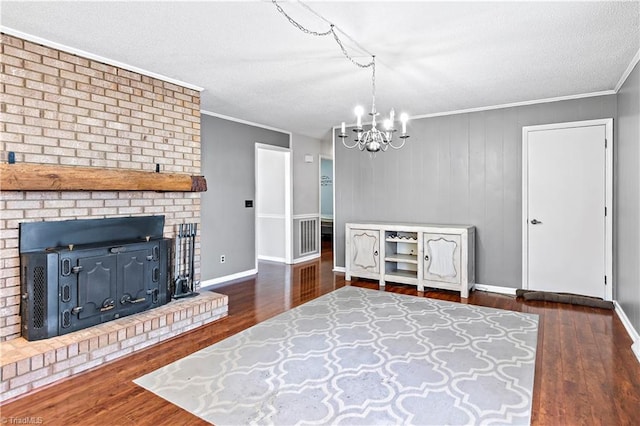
[372,140]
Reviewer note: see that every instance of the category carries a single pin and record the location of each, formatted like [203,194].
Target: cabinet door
[365,251]
[442,258]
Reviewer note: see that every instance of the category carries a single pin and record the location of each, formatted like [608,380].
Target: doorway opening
[273,204]
[326,203]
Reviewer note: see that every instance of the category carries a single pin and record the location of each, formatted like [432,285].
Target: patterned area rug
[359,356]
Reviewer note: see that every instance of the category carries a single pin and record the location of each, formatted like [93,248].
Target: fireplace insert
[80,273]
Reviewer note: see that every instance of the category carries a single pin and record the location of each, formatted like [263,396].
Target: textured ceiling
[431,57]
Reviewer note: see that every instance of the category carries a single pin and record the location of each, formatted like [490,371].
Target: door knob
[535,222]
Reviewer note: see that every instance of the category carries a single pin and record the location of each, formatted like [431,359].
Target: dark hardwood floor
[586,373]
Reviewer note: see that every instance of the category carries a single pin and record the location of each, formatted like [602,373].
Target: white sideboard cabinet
[436,256]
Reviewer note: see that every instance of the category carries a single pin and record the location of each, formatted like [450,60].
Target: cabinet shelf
[400,273]
[402,258]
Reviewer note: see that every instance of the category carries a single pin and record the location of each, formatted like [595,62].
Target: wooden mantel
[54,177]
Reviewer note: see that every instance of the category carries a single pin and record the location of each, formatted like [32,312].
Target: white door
[565,229]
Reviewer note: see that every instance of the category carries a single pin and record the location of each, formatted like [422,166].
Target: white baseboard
[633,333]
[273,259]
[306,258]
[339,269]
[226,278]
[495,289]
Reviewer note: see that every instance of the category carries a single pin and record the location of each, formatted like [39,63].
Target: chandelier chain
[344,34]
[331,31]
[299,26]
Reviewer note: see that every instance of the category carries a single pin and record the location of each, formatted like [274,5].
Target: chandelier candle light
[372,140]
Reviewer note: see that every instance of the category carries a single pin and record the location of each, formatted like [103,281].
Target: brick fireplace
[62,109]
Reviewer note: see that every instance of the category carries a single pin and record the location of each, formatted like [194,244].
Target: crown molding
[517,104]
[241,121]
[94,57]
[510,105]
[627,72]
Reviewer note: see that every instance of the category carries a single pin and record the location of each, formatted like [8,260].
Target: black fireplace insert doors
[79,273]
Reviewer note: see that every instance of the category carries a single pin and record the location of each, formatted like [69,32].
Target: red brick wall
[59,108]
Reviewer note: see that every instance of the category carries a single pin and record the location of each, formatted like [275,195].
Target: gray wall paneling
[228,163]
[306,182]
[457,169]
[627,199]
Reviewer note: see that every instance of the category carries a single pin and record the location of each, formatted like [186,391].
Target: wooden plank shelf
[54,177]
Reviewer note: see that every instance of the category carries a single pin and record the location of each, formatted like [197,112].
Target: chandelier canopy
[372,140]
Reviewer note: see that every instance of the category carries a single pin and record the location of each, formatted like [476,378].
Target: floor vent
[308,236]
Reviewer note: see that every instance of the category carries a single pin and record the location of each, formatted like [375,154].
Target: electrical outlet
[222,258]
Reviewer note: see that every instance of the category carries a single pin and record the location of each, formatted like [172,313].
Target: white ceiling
[431,57]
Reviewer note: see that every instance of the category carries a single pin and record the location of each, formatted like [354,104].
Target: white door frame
[288,207]
[608,123]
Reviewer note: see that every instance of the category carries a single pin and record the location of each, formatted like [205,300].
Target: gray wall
[327,147]
[457,169]
[228,163]
[306,181]
[627,199]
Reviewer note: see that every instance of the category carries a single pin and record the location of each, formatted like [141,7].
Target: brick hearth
[29,365]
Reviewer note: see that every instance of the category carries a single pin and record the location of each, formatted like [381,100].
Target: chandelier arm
[349,146]
[398,147]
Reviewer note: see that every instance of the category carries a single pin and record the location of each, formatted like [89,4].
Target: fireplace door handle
[127,299]
[77,310]
[107,305]
[76,269]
